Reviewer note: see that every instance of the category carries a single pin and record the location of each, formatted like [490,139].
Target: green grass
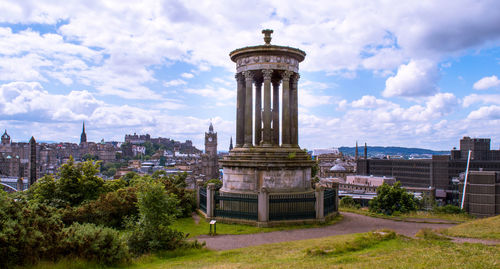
[366,250]
[488,228]
[188,226]
[397,252]
[419,215]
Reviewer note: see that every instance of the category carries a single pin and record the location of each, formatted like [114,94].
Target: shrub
[348,202]
[111,209]
[29,232]
[157,209]
[392,199]
[448,209]
[94,243]
[217,182]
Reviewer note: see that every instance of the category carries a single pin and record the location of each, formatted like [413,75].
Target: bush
[111,209]
[94,243]
[29,232]
[348,202]
[217,182]
[392,199]
[157,210]
[448,209]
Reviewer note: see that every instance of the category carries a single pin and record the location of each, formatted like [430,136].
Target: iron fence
[292,206]
[235,205]
[329,201]
[203,199]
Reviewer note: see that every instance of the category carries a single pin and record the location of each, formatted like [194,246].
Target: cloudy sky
[401,73]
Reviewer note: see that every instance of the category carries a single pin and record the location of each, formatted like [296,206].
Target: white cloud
[417,78]
[485,113]
[481,99]
[486,83]
[187,75]
[218,94]
[175,82]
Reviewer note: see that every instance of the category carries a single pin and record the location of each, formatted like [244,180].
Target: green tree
[392,199]
[76,183]
[157,210]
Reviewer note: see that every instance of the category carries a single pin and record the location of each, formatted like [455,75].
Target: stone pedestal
[199,184]
[263,205]
[210,200]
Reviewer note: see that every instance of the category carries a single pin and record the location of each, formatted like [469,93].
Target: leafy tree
[347,201]
[392,199]
[157,209]
[130,176]
[76,183]
[110,209]
[90,157]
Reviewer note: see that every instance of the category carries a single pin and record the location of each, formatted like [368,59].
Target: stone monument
[266,176]
[267,153]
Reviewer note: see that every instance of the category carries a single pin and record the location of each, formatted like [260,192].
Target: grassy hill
[488,228]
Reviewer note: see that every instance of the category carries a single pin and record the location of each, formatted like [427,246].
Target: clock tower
[209,159]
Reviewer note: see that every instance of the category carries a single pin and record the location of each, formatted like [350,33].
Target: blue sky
[400,73]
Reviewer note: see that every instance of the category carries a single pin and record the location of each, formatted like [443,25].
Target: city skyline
[389,74]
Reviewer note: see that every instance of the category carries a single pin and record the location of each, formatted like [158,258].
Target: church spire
[83,137]
[211,128]
[231,144]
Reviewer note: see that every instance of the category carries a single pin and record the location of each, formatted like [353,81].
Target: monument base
[278,170]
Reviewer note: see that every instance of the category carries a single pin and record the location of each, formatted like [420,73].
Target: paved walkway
[351,223]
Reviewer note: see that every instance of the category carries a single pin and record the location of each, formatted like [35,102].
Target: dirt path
[352,223]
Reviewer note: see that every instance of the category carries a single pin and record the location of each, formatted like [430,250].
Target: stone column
[263,205]
[285,110]
[240,110]
[294,109]
[258,112]
[210,200]
[199,184]
[248,109]
[266,139]
[319,192]
[276,113]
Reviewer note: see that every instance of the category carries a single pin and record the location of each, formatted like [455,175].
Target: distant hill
[384,151]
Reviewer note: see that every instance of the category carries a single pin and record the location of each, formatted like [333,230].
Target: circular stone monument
[267,156]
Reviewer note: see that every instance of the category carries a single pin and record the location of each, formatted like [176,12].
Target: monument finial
[267,36]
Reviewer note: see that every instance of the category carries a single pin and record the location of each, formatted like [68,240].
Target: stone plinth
[276,169]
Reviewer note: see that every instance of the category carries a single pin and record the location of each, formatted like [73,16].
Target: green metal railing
[234,205]
[292,206]
[203,199]
[329,201]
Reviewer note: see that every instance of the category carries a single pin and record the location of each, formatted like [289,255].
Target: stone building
[210,160]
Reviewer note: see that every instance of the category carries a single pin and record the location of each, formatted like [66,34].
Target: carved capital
[286,75]
[295,79]
[248,75]
[267,74]
[239,77]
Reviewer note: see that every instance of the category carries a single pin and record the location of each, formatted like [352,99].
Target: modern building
[482,194]
[438,171]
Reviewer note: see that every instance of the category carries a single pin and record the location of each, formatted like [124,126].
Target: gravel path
[351,223]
